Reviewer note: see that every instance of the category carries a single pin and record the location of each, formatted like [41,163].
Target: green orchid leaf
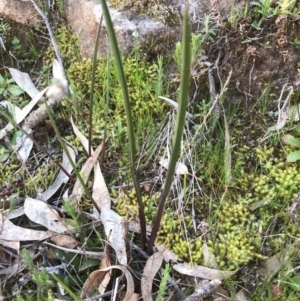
[2,80]
[15,90]
[293,156]
[290,140]
[295,283]
[4,153]
[16,139]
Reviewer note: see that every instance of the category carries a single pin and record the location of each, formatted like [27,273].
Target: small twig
[285,102]
[292,210]
[250,75]
[97,255]
[51,36]
[213,93]
[204,291]
[129,185]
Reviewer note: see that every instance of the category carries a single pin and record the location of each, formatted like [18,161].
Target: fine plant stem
[93,86]
[179,125]
[63,145]
[42,149]
[65,287]
[107,99]
[131,138]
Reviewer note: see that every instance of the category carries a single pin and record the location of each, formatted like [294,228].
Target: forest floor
[232,213]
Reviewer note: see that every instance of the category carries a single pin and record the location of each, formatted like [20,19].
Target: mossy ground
[160,10]
[241,223]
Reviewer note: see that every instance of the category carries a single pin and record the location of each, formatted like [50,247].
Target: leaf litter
[151,268]
[42,214]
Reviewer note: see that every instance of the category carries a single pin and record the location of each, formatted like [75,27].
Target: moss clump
[278,179]
[267,192]
[79,73]
[127,206]
[235,242]
[275,186]
[235,248]
[172,233]
[68,47]
[20,184]
[175,235]
[242,229]
[145,106]
[234,216]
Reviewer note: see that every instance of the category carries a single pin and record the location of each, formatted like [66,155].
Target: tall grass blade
[122,79]
[227,153]
[65,287]
[180,119]
[107,99]
[93,85]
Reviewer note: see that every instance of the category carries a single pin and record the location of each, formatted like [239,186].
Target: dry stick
[278,125]
[204,291]
[284,104]
[96,255]
[212,92]
[51,37]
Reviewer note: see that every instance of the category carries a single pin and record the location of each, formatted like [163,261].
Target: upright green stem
[180,119]
[107,100]
[131,138]
[93,85]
